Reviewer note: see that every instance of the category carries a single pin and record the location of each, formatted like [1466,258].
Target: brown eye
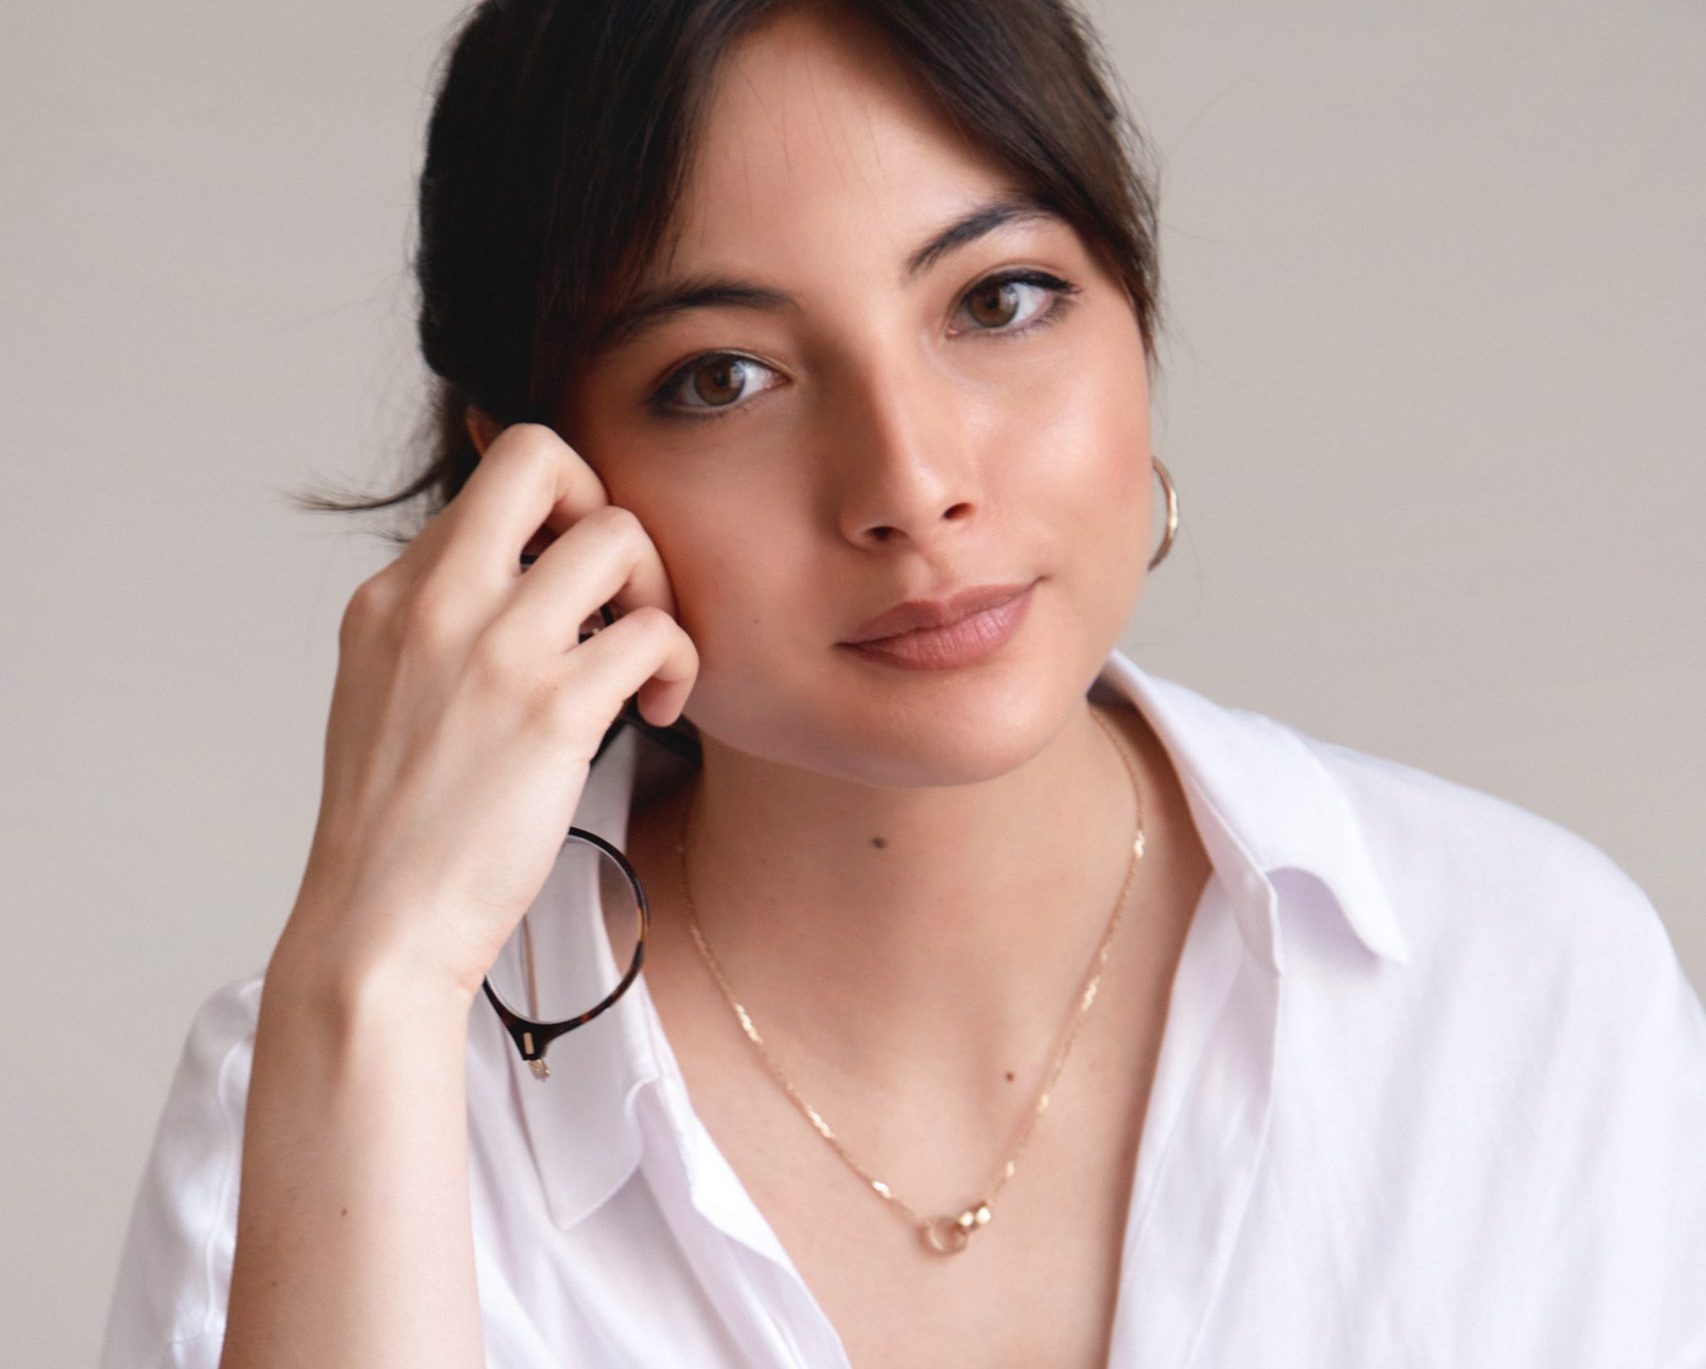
[711,385]
[720,382]
[998,305]
[1000,299]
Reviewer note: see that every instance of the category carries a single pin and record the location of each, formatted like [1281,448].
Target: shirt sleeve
[1681,1051]
[174,1274]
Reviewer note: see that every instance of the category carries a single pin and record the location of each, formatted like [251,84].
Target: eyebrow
[651,307]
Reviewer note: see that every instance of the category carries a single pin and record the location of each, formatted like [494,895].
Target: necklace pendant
[949,1235]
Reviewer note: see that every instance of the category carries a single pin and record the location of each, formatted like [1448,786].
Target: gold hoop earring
[1172,512]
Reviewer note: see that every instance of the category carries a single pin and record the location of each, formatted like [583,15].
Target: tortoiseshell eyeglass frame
[531,1036]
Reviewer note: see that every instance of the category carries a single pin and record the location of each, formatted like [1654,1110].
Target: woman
[1134,1030]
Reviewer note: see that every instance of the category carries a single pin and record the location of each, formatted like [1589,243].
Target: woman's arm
[466,713]
[354,1233]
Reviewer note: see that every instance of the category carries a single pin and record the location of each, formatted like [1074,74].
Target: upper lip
[941,612]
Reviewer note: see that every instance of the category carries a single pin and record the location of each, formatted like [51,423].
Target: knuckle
[613,520]
[534,699]
[371,613]
[366,607]
[557,704]
[496,660]
[648,620]
[533,433]
[622,527]
[426,622]
[571,710]
[530,447]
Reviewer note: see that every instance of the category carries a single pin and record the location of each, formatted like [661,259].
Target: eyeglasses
[531,1037]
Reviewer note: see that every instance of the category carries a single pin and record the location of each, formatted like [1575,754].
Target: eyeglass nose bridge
[531,1037]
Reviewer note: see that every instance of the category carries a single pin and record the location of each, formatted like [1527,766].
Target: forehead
[816,137]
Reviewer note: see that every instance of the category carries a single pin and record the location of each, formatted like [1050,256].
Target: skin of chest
[1039,1283]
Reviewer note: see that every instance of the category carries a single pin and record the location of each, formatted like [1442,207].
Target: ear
[482,428]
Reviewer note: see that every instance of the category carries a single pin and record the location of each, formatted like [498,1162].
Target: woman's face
[868,428]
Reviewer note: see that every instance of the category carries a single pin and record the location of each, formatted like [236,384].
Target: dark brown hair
[560,138]
[559,143]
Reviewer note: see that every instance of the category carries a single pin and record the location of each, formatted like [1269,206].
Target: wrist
[317,963]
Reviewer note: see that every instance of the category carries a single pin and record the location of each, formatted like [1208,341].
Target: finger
[645,653]
[605,557]
[528,478]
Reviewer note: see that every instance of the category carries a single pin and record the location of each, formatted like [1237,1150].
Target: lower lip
[959,644]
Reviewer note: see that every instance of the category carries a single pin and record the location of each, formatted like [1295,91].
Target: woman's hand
[465,714]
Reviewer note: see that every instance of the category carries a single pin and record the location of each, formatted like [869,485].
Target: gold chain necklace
[945,1234]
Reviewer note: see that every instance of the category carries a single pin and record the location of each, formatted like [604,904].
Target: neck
[901,932]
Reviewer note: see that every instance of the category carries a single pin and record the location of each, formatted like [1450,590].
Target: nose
[908,472]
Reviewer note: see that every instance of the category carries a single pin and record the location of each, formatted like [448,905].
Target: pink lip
[969,639]
[943,612]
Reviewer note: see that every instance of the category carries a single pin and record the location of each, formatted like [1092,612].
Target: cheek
[1092,466]
[735,594]
[1092,477]
[764,640]
[704,534]
[1092,418]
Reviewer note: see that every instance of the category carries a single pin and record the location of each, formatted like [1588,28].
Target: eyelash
[1062,291]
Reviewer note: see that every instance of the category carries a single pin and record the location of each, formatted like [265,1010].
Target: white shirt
[1432,1092]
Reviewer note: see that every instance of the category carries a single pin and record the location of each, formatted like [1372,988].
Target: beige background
[1433,404]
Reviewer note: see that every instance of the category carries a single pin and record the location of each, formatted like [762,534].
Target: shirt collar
[1263,800]
[1261,797]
